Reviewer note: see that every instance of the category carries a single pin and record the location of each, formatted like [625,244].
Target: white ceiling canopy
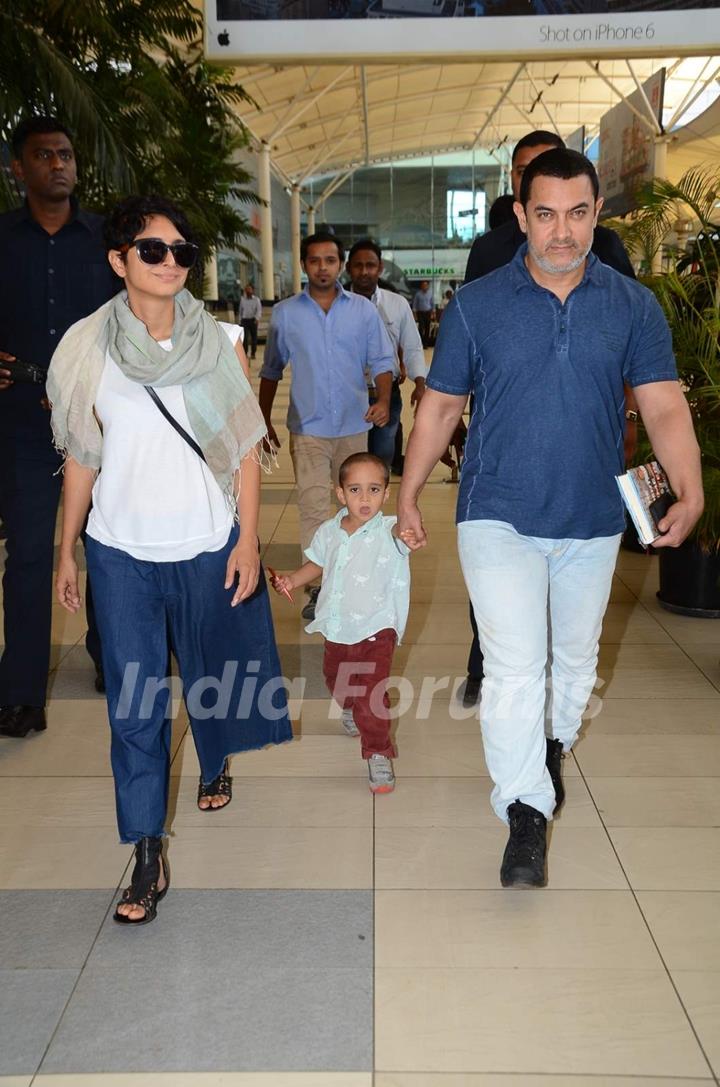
[330,119]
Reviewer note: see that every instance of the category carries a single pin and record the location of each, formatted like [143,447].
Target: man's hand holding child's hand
[409,537]
[409,527]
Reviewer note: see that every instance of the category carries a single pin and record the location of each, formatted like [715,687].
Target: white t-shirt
[154,497]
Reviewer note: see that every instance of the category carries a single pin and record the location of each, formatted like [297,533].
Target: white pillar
[661,153]
[266,234]
[210,279]
[295,236]
[311,220]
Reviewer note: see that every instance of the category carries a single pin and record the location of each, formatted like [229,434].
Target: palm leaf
[148,113]
[37,78]
[690,298]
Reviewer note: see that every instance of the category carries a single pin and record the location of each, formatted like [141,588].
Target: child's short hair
[363,458]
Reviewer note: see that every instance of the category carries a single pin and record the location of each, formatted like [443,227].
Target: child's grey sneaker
[308,611]
[348,723]
[381,774]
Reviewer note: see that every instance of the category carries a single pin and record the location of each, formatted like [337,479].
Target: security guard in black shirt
[53,272]
[497,247]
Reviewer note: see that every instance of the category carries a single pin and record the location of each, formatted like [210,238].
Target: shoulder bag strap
[173,422]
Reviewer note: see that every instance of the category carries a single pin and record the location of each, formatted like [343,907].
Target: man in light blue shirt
[331,338]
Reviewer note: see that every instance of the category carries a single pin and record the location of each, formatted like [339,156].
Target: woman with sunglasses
[162,434]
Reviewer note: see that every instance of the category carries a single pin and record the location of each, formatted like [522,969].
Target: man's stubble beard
[547,266]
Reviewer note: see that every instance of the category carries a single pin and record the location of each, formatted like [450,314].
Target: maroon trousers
[356,676]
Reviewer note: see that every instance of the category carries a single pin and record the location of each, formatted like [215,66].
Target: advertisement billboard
[245,31]
[576,140]
[627,147]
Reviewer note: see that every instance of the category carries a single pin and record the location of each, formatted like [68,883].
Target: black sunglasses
[154,251]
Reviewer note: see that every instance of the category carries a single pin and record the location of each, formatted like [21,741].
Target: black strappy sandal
[220,786]
[143,890]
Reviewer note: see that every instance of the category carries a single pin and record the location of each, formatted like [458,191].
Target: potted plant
[689,293]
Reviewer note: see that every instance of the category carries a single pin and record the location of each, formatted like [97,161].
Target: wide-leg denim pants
[228,660]
[539,606]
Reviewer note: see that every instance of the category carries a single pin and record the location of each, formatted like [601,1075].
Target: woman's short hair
[128,219]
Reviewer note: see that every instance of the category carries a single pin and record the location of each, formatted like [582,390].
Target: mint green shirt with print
[366,580]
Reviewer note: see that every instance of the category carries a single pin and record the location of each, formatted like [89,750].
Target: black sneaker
[471,691]
[553,760]
[523,863]
[308,611]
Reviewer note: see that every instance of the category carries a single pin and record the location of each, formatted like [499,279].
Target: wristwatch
[631,416]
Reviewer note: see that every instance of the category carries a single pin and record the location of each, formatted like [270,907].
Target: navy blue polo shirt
[546,436]
[47,283]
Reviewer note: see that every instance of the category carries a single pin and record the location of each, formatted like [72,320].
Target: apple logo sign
[223,38]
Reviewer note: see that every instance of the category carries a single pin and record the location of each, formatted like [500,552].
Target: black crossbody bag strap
[173,422]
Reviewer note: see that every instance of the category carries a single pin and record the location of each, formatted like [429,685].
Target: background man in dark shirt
[250,311]
[53,272]
[423,307]
[495,249]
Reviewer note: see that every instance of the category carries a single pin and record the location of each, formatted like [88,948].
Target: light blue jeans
[539,606]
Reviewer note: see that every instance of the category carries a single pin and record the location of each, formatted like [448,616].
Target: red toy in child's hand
[273,578]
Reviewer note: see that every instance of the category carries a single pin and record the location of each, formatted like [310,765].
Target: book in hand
[647,494]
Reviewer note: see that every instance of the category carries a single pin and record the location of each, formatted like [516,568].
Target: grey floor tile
[250,981]
[49,930]
[251,930]
[78,659]
[74,676]
[67,682]
[277,1020]
[31,1002]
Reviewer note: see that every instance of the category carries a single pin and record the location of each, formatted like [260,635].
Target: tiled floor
[315,937]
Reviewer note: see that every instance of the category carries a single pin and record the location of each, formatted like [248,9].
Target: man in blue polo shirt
[494,249]
[330,337]
[545,344]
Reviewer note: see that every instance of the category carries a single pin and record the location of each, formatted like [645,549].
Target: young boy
[362,607]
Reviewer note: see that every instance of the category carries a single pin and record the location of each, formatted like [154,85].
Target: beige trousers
[316,462]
